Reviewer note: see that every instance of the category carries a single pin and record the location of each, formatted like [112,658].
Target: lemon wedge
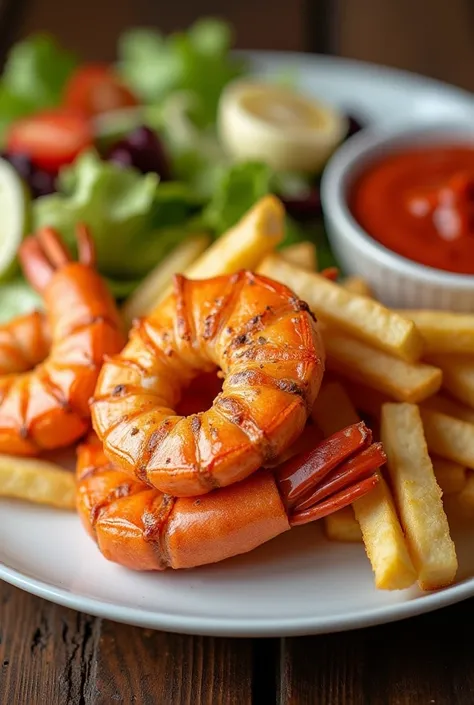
[277,125]
[14,206]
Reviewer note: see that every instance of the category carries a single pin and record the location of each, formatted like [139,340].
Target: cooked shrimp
[268,346]
[141,528]
[48,407]
[24,343]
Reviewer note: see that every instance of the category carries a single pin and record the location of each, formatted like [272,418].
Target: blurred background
[433,37]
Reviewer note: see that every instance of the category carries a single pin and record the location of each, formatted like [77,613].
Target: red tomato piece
[50,139]
[95,89]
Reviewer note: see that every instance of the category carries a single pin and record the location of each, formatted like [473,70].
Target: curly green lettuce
[34,77]
[134,219]
[197,61]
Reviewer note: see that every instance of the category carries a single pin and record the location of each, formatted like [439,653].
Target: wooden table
[52,655]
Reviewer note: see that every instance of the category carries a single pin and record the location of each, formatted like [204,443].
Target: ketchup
[419,203]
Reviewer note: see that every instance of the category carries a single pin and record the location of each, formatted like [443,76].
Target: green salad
[133,149]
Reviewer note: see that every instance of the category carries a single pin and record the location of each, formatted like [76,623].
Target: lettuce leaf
[134,219]
[239,187]
[34,76]
[37,70]
[237,190]
[17,298]
[197,61]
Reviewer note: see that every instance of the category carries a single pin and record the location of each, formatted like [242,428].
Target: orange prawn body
[48,406]
[268,346]
[141,528]
[24,343]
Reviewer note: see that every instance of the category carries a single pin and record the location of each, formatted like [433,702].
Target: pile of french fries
[410,374]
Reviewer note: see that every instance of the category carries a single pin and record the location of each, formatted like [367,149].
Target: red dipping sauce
[419,203]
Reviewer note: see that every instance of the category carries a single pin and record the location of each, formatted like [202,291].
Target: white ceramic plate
[298,583]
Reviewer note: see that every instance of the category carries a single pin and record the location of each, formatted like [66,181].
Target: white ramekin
[395,280]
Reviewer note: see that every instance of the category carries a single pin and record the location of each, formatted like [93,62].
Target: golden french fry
[458,375]
[151,290]
[384,541]
[449,437]
[244,246]
[331,412]
[342,526]
[450,476]
[443,331]
[418,496]
[332,409]
[37,481]
[359,316]
[381,531]
[366,399]
[301,254]
[400,380]
[450,407]
[358,285]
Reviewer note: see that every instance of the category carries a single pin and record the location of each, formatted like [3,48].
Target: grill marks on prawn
[223,307]
[268,347]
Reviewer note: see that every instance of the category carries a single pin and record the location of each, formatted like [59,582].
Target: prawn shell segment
[48,406]
[268,346]
[143,529]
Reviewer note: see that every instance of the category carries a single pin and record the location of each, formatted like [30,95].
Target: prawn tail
[338,471]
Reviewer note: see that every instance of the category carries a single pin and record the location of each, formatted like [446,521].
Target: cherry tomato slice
[95,89]
[51,139]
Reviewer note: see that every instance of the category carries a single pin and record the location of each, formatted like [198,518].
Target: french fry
[381,531]
[342,526]
[400,380]
[244,246]
[150,292]
[359,316]
[357,285]
[458,376]
[449,437]
[365,399]
[418,496]
[443,331]
[37,481]
[333,409]
[450,407]
[450,476]
[301,254]
[331,412]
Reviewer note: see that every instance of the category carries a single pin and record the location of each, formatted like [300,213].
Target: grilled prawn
[268,346]
[143,529]
[47,407]
[24,343]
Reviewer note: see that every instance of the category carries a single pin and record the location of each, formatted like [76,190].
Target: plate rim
[281,627]
[368,67]
[239,628]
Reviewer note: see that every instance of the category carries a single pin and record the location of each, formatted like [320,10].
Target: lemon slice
[13,207]
[279,126]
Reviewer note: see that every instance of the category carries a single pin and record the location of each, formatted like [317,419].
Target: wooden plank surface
[55,656]
[432,37]
[425,660]
[92,28]
[49,654]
